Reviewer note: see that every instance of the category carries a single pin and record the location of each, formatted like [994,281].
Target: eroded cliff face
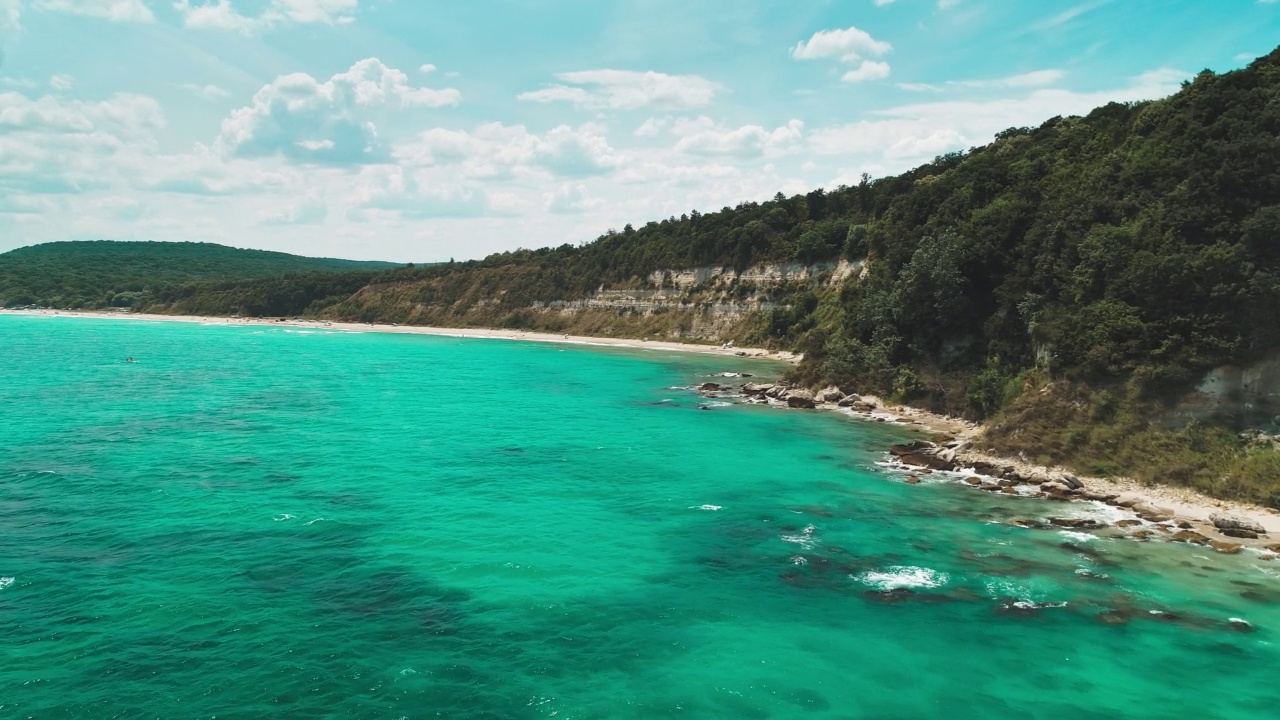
[711,303]
[1248,394]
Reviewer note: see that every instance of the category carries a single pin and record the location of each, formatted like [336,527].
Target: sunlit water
[262,522]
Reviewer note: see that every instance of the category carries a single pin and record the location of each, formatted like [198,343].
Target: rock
[756,388]
[1233,522]
[973,481]
[1190,536]
[1008,491]
[1141,534]
[1128,500]
[1100,497]
[1073,522]
[913,480]
[830,394]
[1024,523]
[1225,548]
[800,399]
[1128,523]
[1239,533]
[1274,548]
[711,387]
[1239,625]
[778,392]
[1186,525]
[1069,480]
[926,459]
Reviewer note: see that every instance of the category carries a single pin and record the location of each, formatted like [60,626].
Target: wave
[5,582]
[706,507]
[903,576]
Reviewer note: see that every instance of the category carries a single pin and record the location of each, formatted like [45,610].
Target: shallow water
[256,522]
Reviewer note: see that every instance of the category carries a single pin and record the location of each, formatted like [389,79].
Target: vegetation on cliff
[1065,282]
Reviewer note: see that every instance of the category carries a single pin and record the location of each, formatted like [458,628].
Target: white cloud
[848,45]
[52,145]
[303,119]
[703,136]
[909,134]
[426,69]
[627,90]
[494,150]
[944,4]
[206,92]
[571,199]
[222,14]
[1038,78]
[10,16]
[882,3]
[62,82]
[113,10]
[868,70]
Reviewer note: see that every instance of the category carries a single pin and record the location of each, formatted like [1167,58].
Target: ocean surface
[254,522]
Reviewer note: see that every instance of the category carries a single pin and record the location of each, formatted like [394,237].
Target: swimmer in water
[130,359]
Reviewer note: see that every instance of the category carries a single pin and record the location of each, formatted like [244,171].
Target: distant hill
[106,273]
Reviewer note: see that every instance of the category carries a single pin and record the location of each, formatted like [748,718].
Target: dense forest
[103,273]
[1066,283]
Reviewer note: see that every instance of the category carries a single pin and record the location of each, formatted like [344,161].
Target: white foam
[804,539]
[706,507]
[903,576]
[5,582]
[283,517]
[1082,537]
[799,560]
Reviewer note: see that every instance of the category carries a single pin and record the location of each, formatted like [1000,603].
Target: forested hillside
[103,273]
[1068,282]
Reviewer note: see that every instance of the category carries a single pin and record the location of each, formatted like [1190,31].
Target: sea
[279,522]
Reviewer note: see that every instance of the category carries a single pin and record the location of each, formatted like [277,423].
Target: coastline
[1165,510]
[480,333]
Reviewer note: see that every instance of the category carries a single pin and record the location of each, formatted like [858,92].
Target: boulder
[913,480]
[1128,523]
[1128,500]
[1233,522]
[973,481]
[1073,522]
[756,388]
[926,460]
[1008,491]
[1274,548]
[1069,480]
[1226,548]
[830,394]
[1190,536]
[910,448]
[711,387]
[800,399]
[1239,533]
[1100,497]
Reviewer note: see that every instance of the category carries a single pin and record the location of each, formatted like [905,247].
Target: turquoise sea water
[261,522]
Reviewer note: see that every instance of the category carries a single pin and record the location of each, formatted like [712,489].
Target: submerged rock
[1226,548]
[1190,536]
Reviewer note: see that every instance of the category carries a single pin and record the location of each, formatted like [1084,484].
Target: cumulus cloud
[114,10]
[54,145]
[495,150]
[307,120]
[867,70]
[627,90]
[62,82]
[848,45]
[703,136]
[222,14]
[571,199]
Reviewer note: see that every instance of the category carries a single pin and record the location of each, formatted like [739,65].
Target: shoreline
[474,333]
[1166,512]
[1171,509]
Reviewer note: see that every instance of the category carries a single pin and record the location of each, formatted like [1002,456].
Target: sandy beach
[1187,508]
[483,333]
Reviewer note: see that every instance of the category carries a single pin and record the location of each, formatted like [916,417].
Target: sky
[423,130]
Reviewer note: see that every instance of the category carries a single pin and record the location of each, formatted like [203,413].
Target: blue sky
[419,131]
